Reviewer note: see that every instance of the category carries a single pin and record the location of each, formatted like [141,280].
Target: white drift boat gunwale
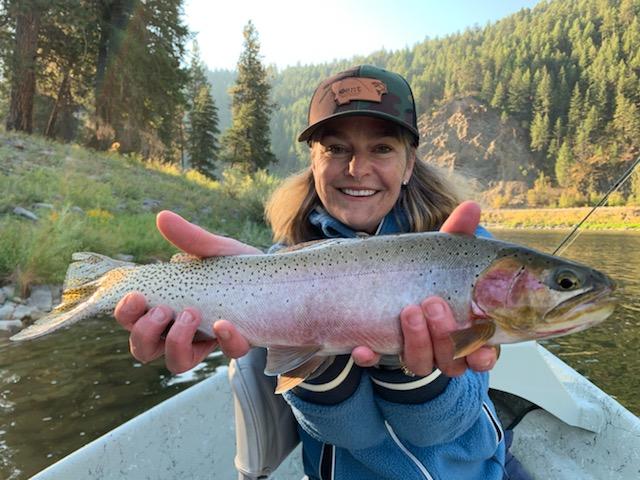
[578,432]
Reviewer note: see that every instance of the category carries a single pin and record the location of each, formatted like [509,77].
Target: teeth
[358,193]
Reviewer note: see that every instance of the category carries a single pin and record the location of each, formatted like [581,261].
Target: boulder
[41,298]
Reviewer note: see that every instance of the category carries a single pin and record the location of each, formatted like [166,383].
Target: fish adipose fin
[288,380]
[84,277]
[470,339]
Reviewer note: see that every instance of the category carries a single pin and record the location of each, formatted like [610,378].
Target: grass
[604,218]
[107,203]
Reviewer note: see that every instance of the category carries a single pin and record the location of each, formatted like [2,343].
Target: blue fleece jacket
[382,424]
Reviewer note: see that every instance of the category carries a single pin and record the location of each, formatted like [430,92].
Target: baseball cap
[363,90]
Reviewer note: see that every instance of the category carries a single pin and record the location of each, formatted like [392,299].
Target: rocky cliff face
[469,137]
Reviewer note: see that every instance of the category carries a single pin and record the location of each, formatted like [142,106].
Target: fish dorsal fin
[311,245]
[182,257]
[470,339]
[283,359]
[288,380]
[88,267]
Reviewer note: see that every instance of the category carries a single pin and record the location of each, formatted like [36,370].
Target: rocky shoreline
[17,312]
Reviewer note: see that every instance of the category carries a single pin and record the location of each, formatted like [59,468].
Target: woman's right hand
[147,326]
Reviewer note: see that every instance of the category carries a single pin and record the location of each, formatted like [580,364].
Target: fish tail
[88,272]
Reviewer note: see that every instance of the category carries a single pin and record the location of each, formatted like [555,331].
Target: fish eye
[567,280]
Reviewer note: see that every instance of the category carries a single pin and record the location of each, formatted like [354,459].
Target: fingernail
[224,334]
[126,303]
[435,310]
[157,315]
[186,317]
[415,320]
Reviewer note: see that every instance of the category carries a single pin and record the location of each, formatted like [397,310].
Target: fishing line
[571,237]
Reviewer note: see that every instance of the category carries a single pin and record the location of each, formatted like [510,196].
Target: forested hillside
[566,71]
[559,84]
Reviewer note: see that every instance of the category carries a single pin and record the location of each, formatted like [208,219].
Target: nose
[358,166]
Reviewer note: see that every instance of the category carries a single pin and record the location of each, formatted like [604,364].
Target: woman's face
[359,166]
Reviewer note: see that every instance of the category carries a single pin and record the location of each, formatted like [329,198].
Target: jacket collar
[328,227]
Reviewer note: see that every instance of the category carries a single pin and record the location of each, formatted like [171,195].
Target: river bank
[604,218]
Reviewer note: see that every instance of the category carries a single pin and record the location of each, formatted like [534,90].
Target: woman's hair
[427,199]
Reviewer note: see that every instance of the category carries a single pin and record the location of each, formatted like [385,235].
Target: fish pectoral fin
[283,359]
[288,380]
[470,339]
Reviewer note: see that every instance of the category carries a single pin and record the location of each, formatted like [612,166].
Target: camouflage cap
[363,90]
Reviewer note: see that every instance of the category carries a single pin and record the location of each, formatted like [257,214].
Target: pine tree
[497,101]
[540,132]
[626,119]
[247,142]
[563,164]
[203,130]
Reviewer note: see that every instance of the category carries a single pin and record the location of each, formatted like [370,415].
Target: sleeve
[337,383]
[393,385]
[445,417]
[354,423]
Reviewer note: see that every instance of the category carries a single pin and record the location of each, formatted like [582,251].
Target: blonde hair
[427,199]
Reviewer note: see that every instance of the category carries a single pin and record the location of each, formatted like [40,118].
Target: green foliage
[571,197]
[202,144]
[251,190]
[542,194]
[107,203]
[247,142]
[563,164]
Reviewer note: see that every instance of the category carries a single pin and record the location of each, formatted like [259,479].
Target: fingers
[365,357]
[195,240]
[130,309]
[483,359]
[417,355]
[232,343]
[145,342]
[181,353]
[464,219]
[441,322]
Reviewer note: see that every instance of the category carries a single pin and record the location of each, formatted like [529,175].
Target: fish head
[531,295]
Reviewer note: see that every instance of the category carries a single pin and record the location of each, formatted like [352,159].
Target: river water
[62,391]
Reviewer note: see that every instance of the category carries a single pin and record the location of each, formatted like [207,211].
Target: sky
[304,32]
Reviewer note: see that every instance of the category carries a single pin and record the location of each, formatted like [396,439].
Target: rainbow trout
[313,301]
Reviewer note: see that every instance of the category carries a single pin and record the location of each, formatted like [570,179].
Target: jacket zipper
[406,451]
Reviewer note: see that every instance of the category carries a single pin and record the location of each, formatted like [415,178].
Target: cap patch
[358,88]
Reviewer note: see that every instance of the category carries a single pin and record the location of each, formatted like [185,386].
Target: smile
[358,193]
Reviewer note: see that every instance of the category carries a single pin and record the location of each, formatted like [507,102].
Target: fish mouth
[580,312]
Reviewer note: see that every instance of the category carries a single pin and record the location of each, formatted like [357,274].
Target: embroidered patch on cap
[358,88]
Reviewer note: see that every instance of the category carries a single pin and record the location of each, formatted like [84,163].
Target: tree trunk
[62,100]
[23,78]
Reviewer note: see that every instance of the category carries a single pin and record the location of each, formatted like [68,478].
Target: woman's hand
[147,326]
[426,327]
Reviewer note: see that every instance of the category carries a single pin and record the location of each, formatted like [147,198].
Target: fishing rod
[572,234]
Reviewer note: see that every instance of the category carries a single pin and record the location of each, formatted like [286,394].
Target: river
[60,392]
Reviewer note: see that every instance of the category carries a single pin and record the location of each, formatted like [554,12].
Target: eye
[336,149]
[567,280]
[383,149]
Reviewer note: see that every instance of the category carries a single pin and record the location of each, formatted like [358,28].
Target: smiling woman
[412,417]
[378,162]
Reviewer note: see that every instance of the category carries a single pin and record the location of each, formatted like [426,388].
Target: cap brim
[308,132]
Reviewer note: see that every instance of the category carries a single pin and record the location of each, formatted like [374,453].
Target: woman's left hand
[426,327]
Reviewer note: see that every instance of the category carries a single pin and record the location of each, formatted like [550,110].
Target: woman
[364,417]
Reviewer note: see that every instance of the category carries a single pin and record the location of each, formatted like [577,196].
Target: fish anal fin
[470,339]
[288,380]
[283,359]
